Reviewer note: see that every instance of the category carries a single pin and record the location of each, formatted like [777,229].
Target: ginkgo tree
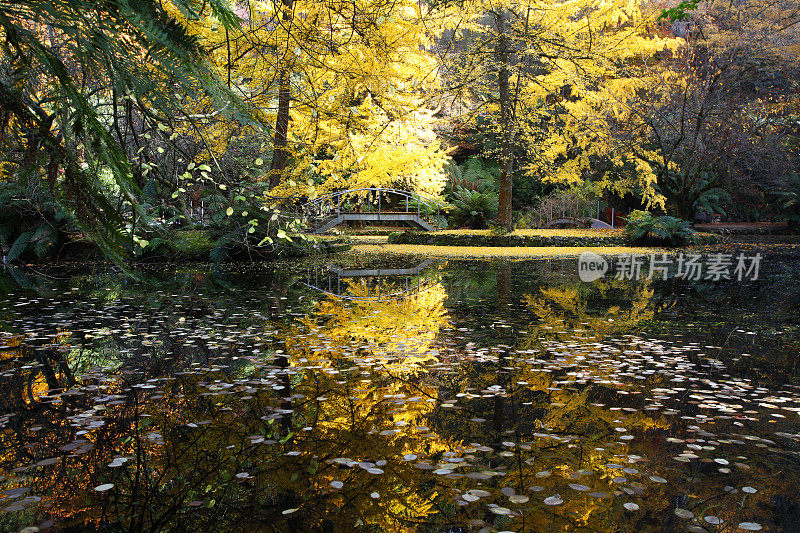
[339,88]
[549,75]
[666,114]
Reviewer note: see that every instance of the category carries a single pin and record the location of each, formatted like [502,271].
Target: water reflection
[507,397]
[371,282]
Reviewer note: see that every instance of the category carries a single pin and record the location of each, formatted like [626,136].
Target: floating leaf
[553,500]
[750,526]
[577,486]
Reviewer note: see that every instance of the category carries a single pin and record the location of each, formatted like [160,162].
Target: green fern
[644,228]
[474,209]
[48,110]
[789,202]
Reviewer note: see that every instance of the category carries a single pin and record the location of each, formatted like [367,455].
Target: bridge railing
[337,203]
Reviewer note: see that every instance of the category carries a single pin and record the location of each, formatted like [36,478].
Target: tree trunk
[280,154]
[683,209]
[506,125]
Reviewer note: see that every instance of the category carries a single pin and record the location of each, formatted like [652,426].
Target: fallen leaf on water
[553,500]
[750,526]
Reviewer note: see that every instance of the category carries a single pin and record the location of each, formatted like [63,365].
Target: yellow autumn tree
[668,113]
[549,77]
[340,92]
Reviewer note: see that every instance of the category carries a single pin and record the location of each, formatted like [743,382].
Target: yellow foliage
[566,308]
[357,72]
[590,56]
[399,332]
[492,252]
[565,232]
[7,171]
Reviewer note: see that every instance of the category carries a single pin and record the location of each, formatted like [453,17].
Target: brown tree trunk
[506,125]
[280,154]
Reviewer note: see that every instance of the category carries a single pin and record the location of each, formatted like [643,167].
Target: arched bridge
[372,204]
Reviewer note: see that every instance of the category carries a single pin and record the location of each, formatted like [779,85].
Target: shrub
[473,209]
[789,202]
[475,174]
[32,223]
[644,228]
[701,194]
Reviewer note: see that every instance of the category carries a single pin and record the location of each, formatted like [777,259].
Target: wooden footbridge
[372,204]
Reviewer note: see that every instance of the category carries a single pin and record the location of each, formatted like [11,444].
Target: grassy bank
[494,252]
[534,238]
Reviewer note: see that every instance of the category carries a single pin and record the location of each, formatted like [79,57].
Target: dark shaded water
[435,396]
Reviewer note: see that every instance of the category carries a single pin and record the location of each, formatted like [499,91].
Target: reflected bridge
[379,284]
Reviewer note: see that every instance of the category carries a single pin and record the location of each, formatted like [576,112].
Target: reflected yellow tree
[574,308]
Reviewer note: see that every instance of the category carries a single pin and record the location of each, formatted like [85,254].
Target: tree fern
[58,58]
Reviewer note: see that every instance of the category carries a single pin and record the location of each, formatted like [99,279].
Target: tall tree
[539,71]
[507,118]
[341,85]
[280,154]
[678,119]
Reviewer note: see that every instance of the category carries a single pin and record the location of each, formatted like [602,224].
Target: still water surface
[402,396]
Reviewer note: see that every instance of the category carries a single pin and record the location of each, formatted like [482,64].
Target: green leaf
[43,239]
[19,246]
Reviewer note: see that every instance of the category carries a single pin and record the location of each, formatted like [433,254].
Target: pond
[340,394]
